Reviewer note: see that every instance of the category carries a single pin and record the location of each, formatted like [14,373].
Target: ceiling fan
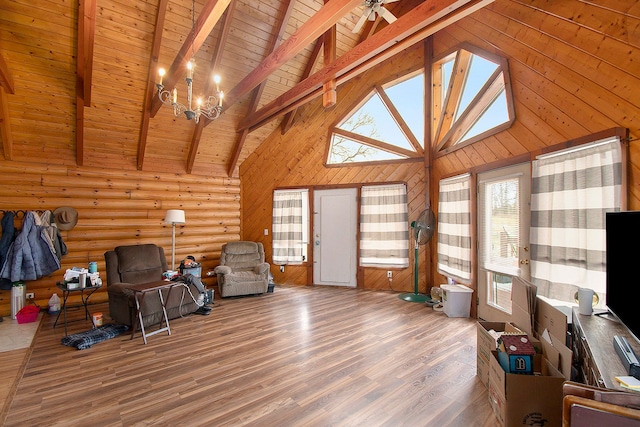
[371,7]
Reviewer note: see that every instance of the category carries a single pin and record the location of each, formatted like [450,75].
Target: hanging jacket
[30,256]
[8,234]
[53,234]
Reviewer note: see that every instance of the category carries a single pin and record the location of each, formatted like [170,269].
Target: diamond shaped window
[471,98]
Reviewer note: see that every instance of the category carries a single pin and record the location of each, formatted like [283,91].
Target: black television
[623,268]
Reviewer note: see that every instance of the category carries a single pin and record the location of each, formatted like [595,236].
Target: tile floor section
[14,335]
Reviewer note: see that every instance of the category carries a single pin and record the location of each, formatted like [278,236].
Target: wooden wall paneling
[298,161]
[569,67]
[559,95]
[121,208]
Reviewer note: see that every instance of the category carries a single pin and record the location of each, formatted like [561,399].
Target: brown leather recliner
[242,269]
[143,264]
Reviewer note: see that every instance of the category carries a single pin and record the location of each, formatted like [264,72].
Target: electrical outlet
[389,274]
[30,295]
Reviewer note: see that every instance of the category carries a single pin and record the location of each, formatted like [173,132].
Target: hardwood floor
[301,356]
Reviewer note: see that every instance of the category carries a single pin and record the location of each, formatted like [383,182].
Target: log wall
[122,208]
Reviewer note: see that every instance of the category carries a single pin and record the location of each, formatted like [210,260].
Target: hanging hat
[65,217]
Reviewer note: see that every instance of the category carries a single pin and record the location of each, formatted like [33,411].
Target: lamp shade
[174,216]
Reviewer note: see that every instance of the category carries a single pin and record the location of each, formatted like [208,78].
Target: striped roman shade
[288,226]
[454,228]
[384,226]
[571,192]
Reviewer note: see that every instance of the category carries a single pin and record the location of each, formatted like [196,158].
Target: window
[502,223]
[454,228]
[571,192]
[290,226]
[387,125]
[384,226]
[471,98]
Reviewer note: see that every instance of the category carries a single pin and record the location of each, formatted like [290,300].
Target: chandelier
[212,105]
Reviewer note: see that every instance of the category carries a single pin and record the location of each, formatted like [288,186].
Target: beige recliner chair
[242,269]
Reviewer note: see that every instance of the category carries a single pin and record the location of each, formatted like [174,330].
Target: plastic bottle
[54,304]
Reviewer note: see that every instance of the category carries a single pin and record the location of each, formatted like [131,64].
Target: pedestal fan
[423,229]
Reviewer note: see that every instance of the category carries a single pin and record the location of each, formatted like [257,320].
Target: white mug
[585,301]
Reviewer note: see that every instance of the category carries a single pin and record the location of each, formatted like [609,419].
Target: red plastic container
[28,314]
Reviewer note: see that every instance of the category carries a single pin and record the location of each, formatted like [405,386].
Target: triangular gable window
[388,124]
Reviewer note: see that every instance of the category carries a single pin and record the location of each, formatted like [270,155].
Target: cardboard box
[525,400]
[486,343]
[551,327]
[482,371]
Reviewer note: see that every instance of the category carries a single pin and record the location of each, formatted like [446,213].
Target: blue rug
[84,340]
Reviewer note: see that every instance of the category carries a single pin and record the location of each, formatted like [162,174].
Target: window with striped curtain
[454,228]
[571,192]
[384,226]
[290,226]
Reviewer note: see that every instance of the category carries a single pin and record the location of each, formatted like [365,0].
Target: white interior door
[504,213]
[334,237]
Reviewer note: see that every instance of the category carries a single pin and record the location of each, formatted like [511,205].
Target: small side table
[85,293]
[139,292]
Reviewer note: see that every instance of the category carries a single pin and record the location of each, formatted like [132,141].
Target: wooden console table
[593,352]
[139,292]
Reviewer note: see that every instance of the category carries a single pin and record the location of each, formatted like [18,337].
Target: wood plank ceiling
[273,56]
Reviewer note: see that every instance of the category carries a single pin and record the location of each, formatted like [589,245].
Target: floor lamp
[173,217]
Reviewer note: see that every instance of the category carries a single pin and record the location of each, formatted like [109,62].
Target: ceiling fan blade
[388,16]
[360,22]
[372,15]
[389,1]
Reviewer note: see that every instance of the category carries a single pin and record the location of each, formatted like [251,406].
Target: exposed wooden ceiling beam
[150,90]
[257,93]
[6,86]
[5,126]
[313,28]
[287,122]
[329,97]
[208,18]
[208,87]
[6,79]
[413,27]
[84,69]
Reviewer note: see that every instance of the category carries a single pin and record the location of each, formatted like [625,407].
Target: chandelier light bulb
[161,72]
[190,66]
